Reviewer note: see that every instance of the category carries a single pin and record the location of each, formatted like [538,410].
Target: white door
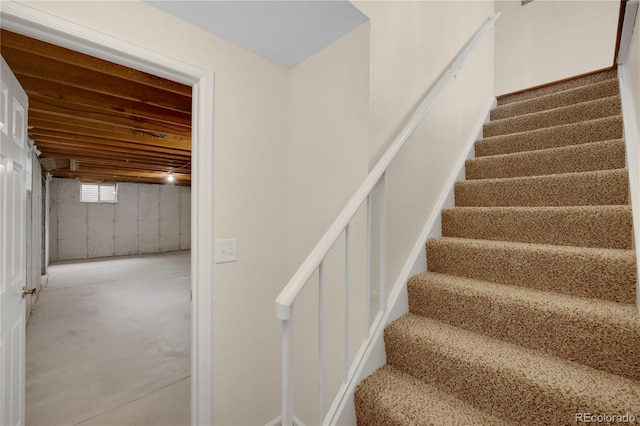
[13,147]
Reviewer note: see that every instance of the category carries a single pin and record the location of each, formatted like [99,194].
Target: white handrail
[314,262]
[287,296]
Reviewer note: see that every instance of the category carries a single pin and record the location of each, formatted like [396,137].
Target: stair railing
[342,224]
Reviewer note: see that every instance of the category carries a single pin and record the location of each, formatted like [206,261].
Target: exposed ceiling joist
[98,121]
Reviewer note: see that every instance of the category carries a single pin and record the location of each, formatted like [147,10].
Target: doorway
[23,19]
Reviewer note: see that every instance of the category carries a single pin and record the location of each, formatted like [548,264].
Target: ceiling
[286,32]
[98,121]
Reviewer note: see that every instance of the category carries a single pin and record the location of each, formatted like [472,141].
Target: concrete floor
[108,343]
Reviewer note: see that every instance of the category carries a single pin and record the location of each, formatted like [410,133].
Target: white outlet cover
[226,251]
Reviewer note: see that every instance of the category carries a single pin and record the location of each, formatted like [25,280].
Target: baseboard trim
[362,365]
[632,146]
[278,422]
[542,86]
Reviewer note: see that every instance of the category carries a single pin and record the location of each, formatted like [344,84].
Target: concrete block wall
[146,219]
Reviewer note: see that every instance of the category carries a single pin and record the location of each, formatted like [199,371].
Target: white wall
[250,187]
[549,40]
[328,160]
[412,43]
[146,219]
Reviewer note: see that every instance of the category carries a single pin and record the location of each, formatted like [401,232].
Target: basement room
[108,261]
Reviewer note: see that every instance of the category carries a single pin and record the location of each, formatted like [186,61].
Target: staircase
[526,315]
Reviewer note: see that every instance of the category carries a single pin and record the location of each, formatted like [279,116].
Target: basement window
[98,193]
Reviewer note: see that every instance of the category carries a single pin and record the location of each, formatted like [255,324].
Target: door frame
[26,20]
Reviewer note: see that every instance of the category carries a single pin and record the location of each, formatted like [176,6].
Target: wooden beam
[45,134]
[74,148]
[119,160]
[130,165]
[87,155]
[66,149]
[26,63]
[62,124]
[115,174]
[35,86]
[105,126]
[50,51]
[130,173]
[87,177]
[63,109]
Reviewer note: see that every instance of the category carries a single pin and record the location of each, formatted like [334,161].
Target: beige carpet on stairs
[526,315]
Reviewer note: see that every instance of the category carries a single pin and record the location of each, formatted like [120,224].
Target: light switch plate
[226,251]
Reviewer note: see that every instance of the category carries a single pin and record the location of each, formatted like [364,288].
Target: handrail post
[287,364]
[347,300]
[368,266]
[321,342]
[382,261]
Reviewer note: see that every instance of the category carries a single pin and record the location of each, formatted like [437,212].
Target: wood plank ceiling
[97,121]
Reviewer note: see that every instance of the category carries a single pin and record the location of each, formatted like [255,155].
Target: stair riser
[556,100]
[608,128]
[580,189]
[565,334]
[578,158]
[499,392]
[580,274]
[555,88]
[370,414]
[582,227]
[581,112]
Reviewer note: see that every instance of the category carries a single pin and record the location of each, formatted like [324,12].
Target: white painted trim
[278,422]
[202,241]
[396,303]
[632,145]
[22,18]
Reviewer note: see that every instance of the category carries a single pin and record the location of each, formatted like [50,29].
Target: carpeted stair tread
[556,324]
[601,129]
[527,313]
[583,226]
[600,273]
[391,397]
[605,187]
[505,380]
[558,87]
[575,95]
[568,159]
[598,108]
